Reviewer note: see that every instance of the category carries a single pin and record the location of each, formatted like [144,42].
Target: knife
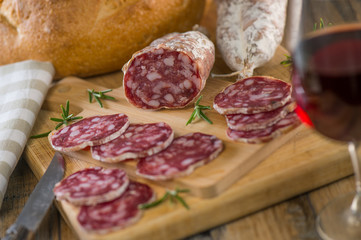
[38,203]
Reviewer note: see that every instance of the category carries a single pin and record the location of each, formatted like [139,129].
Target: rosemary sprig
[321,25]
[99,95]
[198,112]
[172,195]
[65,120]
[287,62]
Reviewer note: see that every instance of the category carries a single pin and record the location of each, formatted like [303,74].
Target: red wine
[327,81]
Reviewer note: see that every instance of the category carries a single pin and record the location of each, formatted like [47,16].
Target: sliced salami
[261,120]
[118,213]
[181,157]
[289,122]
[170,72]
[91,186]
[253,95]
[139,140]
[89,131]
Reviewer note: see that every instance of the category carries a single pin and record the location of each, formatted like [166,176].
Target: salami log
[261,120]
[89,131]
[118,213]
[249,32]
[253,95]
[286,124]
[139,140]
[91,186]
[170,72]
[181,157]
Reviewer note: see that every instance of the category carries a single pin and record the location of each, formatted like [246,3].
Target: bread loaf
[86,38]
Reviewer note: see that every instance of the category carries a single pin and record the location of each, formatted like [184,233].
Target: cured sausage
[249,32]
[89,131]
[91,186]
[261,120]
[253,95]
[139,140]
[181,157]
[289,122]
[118,213]
[170,72]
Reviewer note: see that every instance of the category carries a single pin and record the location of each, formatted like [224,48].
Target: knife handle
[16,232]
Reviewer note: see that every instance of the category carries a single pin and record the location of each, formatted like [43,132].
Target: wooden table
[291,219]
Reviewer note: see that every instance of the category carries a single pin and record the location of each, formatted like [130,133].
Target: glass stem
[356,203]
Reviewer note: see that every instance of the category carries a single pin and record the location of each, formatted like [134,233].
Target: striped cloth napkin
[23,87]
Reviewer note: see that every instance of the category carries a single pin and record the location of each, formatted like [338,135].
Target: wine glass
[326,78]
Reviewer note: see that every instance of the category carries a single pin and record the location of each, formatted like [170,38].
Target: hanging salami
[249,32]
[170,72]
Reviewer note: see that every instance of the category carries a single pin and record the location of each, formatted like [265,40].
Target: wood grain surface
[292,216]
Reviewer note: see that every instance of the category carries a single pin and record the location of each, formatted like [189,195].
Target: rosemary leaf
[59,125]
[56,119]
[204,117]
[99,95]
[98,100]
[191,118]
[172,195]
[155,203]
[65,120]
[181,200]
[40,135]
[197,112]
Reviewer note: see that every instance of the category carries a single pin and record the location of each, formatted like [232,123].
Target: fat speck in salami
[287,123]
[139,140]
[170,72]
[92,185]
[181,157]
[118,213]
[253,95]
[89,131]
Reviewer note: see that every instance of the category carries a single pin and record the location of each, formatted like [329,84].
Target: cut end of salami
[91,186]
[253,95]
[181,157]
[289,122]
[118,213]
[139,140]
[89,131]
[170,73]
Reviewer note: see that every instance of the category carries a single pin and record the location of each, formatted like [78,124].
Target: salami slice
[118,213]
[89,131]
[261,120]
[92,185]
[181,157]
[170,72]
[139,140]
[289,122]
[253,95]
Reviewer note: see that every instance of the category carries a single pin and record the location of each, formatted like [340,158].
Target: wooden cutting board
[243,179]
[222,190]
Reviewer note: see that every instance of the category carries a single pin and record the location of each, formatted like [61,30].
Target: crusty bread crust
[86,38]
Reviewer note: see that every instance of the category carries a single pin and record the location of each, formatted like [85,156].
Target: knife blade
[38,203]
